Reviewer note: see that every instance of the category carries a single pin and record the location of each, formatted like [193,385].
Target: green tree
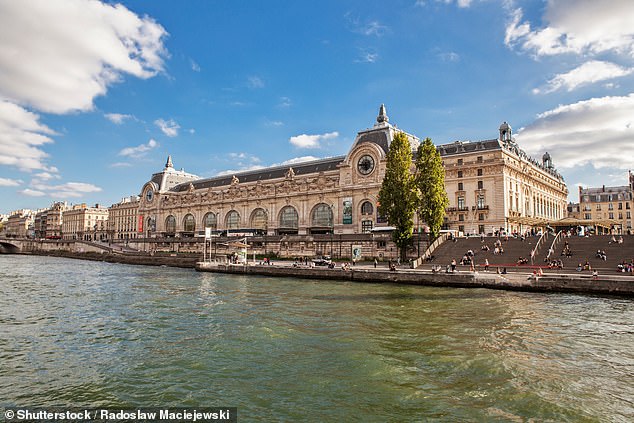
[430,182]
[397,197]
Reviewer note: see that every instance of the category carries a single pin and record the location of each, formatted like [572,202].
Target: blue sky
[95,95]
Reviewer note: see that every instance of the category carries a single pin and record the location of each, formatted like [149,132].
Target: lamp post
[332,227]
[266,229]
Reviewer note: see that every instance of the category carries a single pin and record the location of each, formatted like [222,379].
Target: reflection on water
[99,334]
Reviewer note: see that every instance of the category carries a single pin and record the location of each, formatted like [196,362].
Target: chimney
[603,188]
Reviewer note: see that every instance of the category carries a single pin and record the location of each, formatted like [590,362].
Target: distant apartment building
[20,224]
[85,223]
[574,210]
[54,220]
[123,220]
[611,204]
[48,222]
[3,223]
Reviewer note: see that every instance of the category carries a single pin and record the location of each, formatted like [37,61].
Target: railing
[536,249]
[430,250]
[552,246]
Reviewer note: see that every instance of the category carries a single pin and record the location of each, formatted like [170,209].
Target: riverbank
[569,283]
[140,259]
[605,285]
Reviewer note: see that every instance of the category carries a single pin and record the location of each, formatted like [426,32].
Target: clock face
[149,195]
[365,165]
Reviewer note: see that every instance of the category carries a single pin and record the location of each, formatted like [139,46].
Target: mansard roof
[606,190]
[461,147]
[379,137]
[277,172]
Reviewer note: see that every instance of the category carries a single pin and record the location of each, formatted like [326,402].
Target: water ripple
[99,334]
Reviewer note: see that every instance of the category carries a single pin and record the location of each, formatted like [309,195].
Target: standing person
[486,264]
[375,262]
[453,265]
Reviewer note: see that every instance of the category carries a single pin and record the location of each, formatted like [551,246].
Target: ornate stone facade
[338,196]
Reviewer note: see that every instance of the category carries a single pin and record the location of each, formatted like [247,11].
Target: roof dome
[505,126]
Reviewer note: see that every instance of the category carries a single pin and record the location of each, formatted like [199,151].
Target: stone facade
[494,186]
[85,223]
[20,224]
[123,219]
[337,197]
[614,205]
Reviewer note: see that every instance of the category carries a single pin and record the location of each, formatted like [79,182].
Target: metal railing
[535,250]
[552,246]
[430,250]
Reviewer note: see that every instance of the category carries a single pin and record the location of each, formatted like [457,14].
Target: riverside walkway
[556,282]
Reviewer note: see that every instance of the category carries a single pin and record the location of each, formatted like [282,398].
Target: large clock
[365,165]
[149,195]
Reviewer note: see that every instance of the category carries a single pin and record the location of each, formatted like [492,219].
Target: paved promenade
[579,283]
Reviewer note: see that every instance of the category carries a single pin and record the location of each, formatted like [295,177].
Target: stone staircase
[514,248]
[586,249]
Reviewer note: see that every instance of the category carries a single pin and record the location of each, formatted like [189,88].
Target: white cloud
[367,57]
[244,169]
[169,127]
[311,141]
[69,189]
[284,103]
[576,26]
[449,56]
[255,82]
[21,138]
[367,28]
[58,55]
[140,150]
[45,176]
[195,66]
[599,132]
[274,123]
[460,3]
[121,164]
[588,73]
[117,118]
[5,182]
[301,159]
[32,193]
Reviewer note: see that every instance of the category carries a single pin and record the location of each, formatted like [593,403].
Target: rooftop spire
[169,162]
[382,117]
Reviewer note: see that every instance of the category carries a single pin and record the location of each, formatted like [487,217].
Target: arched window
[289,218]
[150,225]
[367,208]
[322,216]
[170,225]
[259,219]
[189,223]
[233,220]
[211,221]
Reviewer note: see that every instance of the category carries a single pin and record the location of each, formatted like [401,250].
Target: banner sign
[140,223]
[356,252]
[347,210]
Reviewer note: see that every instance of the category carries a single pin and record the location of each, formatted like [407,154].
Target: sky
[95,94]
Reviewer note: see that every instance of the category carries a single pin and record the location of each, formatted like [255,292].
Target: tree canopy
[397,197]
[430,183]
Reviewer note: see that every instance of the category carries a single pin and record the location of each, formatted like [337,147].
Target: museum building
[491,185]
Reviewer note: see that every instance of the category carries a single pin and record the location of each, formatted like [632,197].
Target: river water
[80,333]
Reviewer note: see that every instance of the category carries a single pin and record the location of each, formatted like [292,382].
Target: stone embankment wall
[518,282]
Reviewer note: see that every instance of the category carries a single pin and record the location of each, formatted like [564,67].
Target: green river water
[93,334]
